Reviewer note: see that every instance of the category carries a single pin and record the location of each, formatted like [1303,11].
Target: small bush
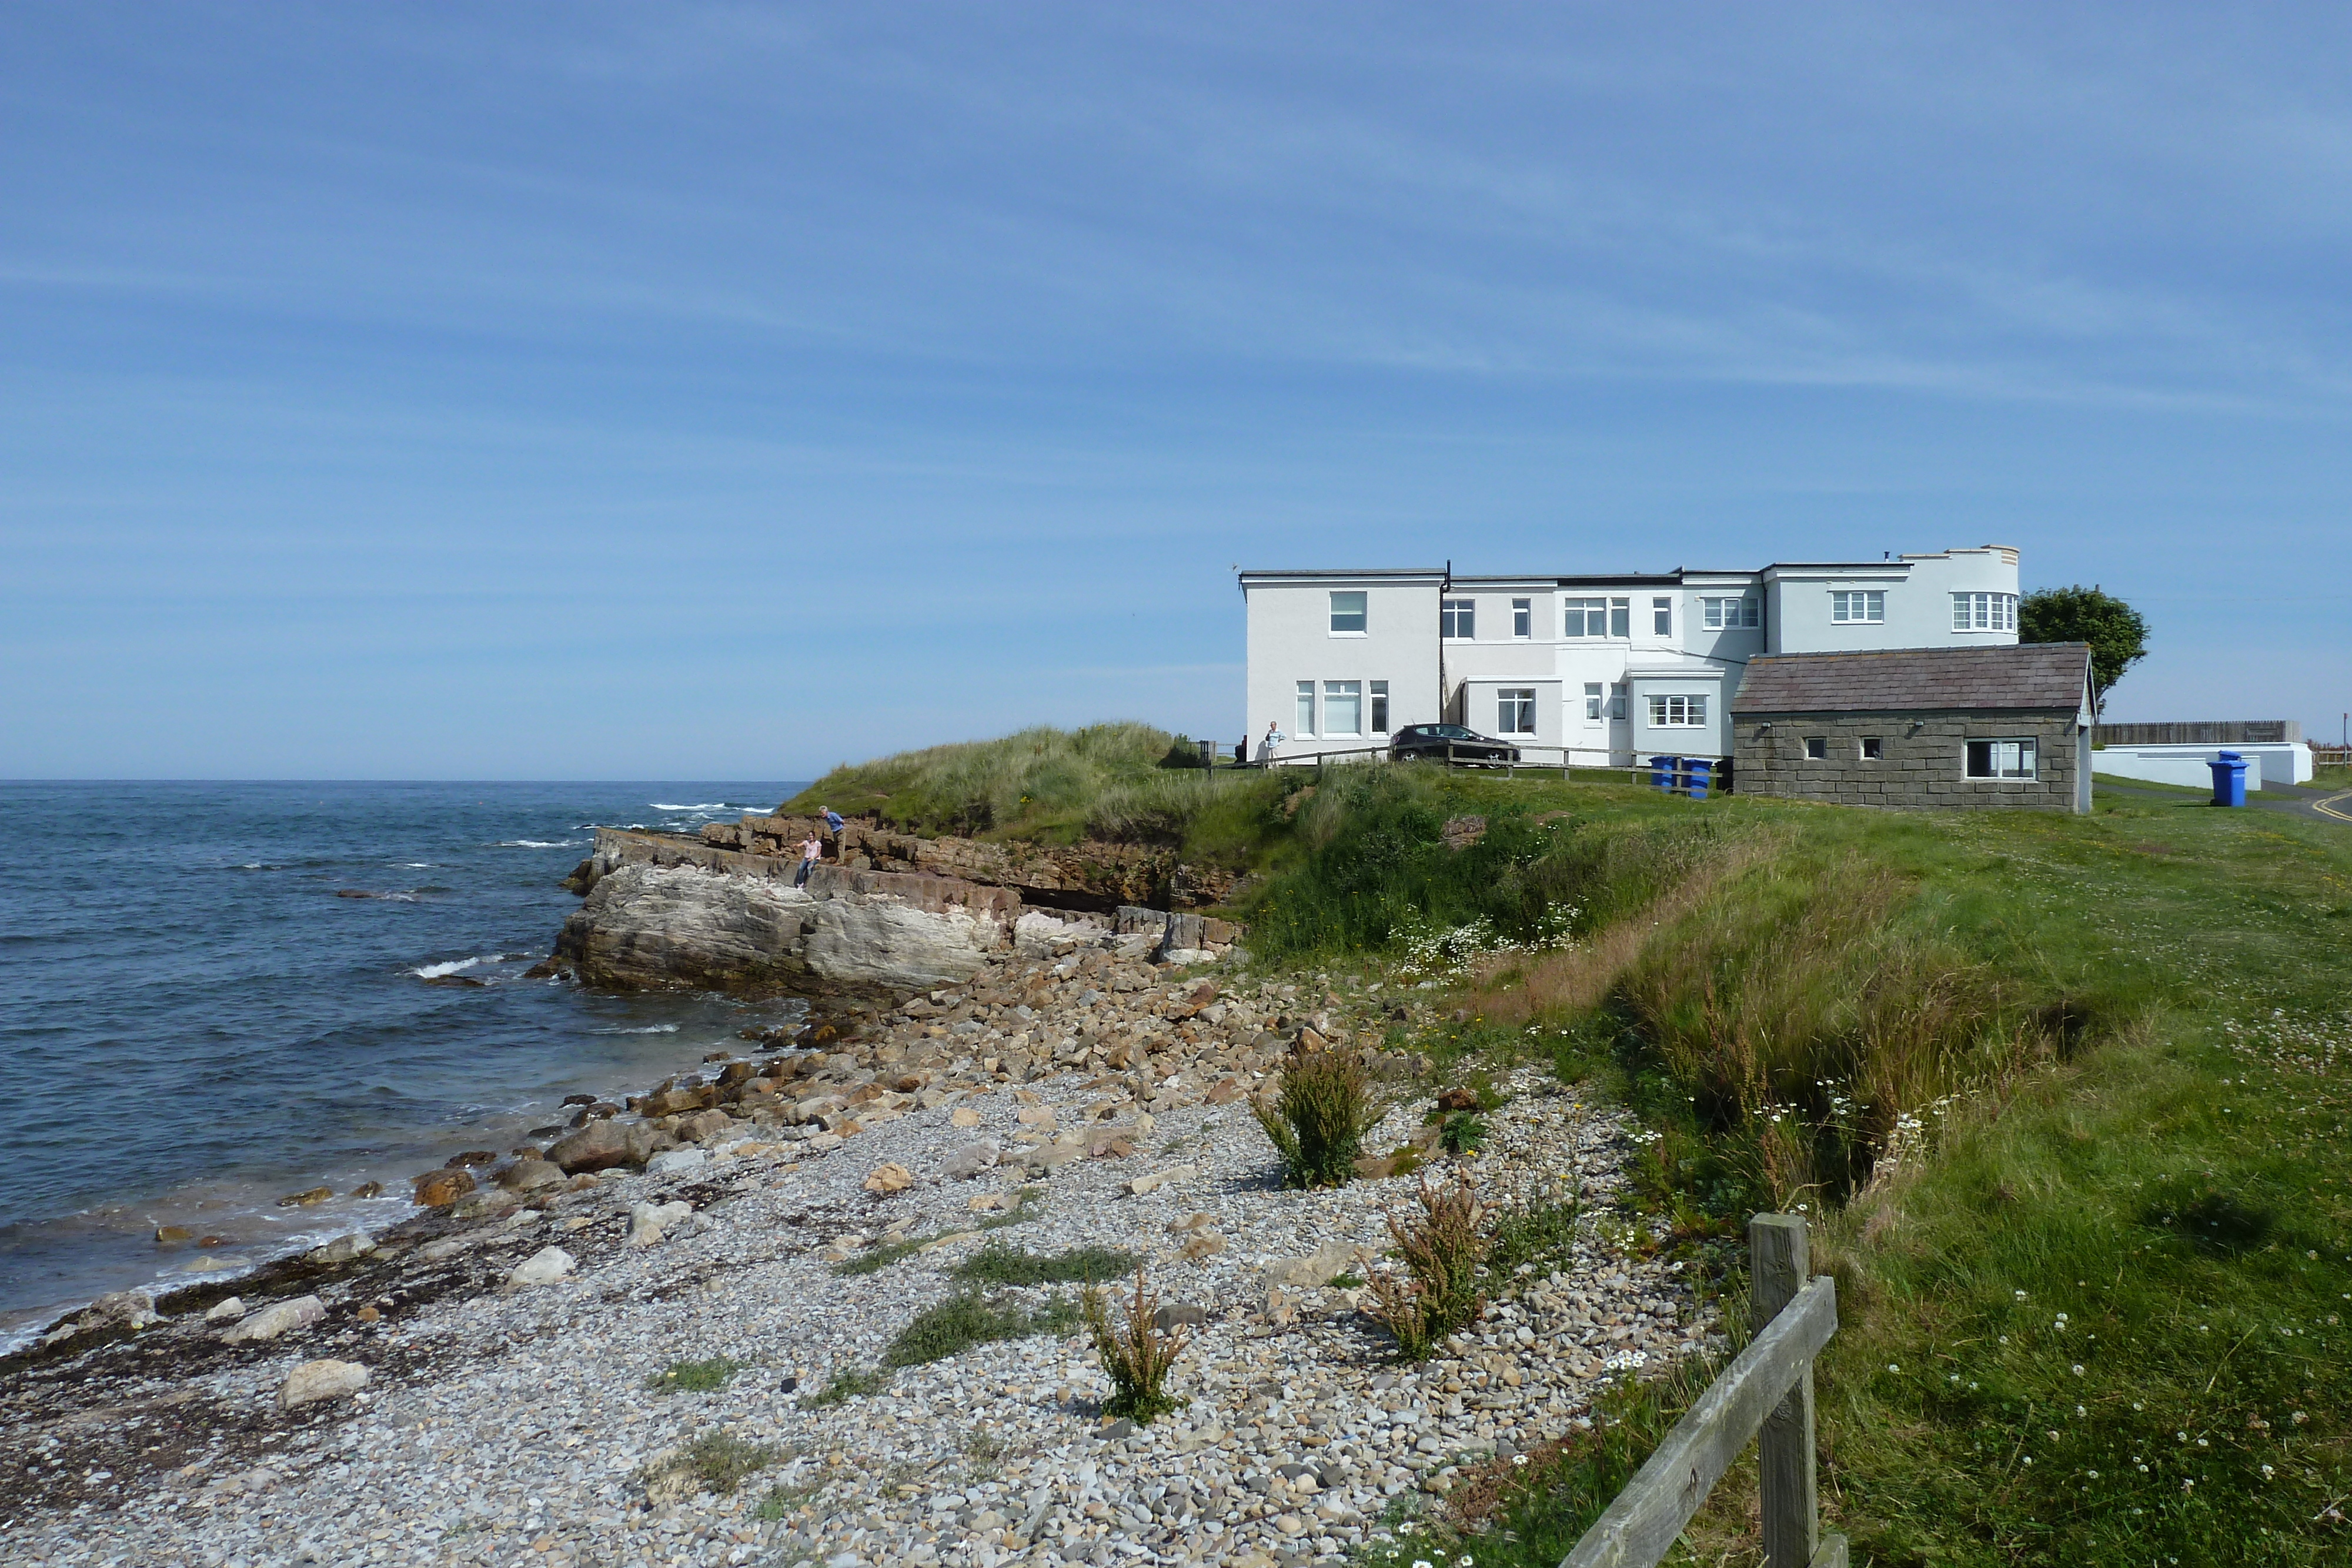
[1136,1352]
[849,1383]
[1318,1121]
[782,1501]
[1462,1134]
[1442,1248]
[997,1264]
[1534,1238]
[719,1463]
[876,1258]
[695,1376]
[969,1318]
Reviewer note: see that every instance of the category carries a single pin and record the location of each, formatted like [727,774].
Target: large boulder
[316,1380]
[599,1145]
[530,1176]
[969,1160]
[439,1189]
[704,1125]
[276,1319]
[544,1267]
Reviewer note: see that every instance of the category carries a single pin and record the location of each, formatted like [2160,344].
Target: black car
[1450,743]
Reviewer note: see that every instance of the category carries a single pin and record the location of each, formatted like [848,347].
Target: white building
[1608,667]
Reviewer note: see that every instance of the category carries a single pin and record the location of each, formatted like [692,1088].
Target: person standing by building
[811,849]
[1273,740]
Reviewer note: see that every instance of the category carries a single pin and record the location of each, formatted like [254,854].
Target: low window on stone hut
[1873,748]
[1817,747]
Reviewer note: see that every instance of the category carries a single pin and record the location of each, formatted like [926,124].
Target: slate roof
[2043,675]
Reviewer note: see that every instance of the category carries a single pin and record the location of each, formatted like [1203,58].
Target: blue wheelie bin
[2229,780]
[1663,770]
[1699,772]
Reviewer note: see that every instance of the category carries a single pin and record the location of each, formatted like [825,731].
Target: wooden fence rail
[1766,1393]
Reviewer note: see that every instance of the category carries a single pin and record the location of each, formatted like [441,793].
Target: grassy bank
[1108,781]
[2066,1097]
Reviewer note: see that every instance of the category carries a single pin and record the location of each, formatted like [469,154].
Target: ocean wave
[539,843]
[455,967]
[648,1029]
[700,806]
[409,897]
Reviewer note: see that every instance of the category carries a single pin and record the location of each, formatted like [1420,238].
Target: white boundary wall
[2268,764]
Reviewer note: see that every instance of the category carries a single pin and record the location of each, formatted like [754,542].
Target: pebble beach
[697,1354]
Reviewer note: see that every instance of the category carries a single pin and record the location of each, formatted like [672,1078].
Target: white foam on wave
[539,843]
[700,806]
[455,967]
[648,1029]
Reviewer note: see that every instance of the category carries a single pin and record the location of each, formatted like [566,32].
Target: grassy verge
[2066,1098]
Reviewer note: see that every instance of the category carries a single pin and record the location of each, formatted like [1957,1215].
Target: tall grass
[1106,781]
[1373,865]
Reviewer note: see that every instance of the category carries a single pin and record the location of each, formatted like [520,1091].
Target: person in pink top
[811,849]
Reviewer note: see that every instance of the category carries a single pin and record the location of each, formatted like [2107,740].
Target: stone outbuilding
[1994,727]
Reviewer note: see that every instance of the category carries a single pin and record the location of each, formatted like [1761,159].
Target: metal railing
[1530,759]
[1766,1393]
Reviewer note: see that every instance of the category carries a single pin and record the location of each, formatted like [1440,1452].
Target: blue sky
[637,390]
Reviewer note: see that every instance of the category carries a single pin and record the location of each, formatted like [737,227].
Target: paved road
[2300,800]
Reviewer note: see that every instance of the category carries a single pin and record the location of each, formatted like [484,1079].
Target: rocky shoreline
[501,1375]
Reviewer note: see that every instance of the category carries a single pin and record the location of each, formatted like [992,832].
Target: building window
[1677,713]
[1523,618]
[1984,612]
[1379,708]
[1817,747]
[1617,698]
[1728,615]
[1458,618]
[1858,607]
[1592,699]
[1873,748]
[1515,711]
[1343,708]
[1347,612]
[1662,617]
[1597,618]
[1305,721]
[2001,759]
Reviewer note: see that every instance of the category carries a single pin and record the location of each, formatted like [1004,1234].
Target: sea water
[213,995]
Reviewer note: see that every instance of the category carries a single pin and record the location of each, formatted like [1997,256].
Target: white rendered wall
[1919,608]
[2268,765]
[1291,640]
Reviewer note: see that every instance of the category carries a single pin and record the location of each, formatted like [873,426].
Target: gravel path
[506,1422]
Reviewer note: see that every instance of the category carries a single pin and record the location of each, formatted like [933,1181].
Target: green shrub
[1318,1119]
[1136,1353]
[1462,1134]
[997,1264]
[1442,1248]
[967,1319]
[717,1462]
[695,1376]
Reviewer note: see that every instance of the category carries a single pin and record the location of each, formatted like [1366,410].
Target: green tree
[2117,633]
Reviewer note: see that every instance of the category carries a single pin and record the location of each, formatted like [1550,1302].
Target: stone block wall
[1924,765]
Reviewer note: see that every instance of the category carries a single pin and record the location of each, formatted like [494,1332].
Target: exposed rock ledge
[665,913]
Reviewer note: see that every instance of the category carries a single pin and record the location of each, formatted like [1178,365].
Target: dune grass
[2067,1099]
[1106,781]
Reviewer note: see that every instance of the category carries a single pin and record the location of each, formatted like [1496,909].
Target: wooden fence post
[1780,1262]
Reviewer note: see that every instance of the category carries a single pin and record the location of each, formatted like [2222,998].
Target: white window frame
[1616,615]
[1304,713]
[1662,617]
[1730,614]
[1975,611]
[1857,606]
[1361,614]
[1596,701]
[1523,619]
[1678,710]
[2015,759]
[1620,694]
[1377,699]
[1817,749]
[1336,696]
[1457,620]
[1521,698]
[1863,751]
